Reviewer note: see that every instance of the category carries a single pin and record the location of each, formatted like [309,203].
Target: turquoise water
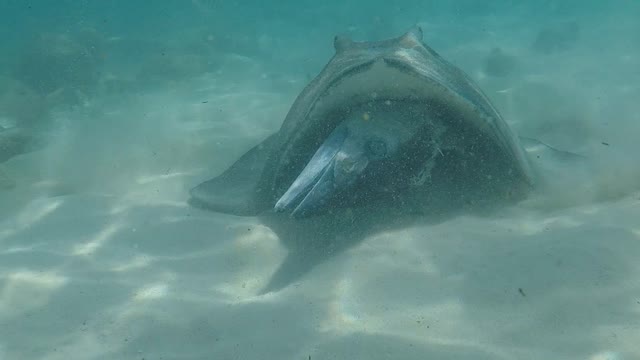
[111,111]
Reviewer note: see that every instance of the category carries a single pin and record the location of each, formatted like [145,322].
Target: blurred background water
[111,110]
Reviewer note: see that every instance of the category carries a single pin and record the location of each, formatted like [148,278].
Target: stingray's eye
[377,148]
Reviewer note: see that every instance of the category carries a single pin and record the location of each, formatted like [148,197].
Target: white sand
[101,258]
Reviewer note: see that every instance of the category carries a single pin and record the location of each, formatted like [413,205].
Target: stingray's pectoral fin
[234,191]
[555,168]
[336,165]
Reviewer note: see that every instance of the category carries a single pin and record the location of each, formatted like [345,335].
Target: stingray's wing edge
[234,191]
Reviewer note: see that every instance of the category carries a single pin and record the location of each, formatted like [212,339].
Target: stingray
[387,133]
[13,142]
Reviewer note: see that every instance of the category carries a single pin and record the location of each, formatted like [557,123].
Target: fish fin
[413,37]
[555,169]
[234,191]
[290,271]
[538,149]
[342,43]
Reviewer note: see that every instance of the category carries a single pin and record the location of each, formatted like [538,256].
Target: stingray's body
[461,152]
